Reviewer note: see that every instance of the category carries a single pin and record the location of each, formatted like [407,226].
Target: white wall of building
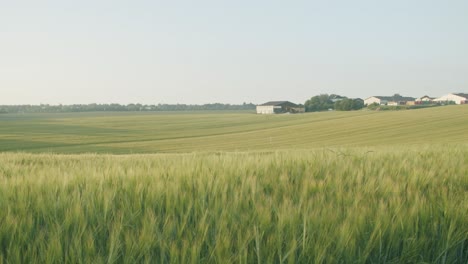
[451,97]
[372,100]
[276,109]
[265,109]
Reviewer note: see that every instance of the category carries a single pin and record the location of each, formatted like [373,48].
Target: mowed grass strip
[394,205]
[188,132]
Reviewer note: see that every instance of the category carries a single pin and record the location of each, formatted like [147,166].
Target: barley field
[130,133]
[361,187]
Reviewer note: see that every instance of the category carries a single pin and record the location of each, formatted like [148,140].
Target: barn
[389,100]
[279,107]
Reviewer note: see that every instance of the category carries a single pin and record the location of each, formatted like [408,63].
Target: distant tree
[349,104]
[358,104]
[336,97]
[374,106]
[344,105]
[321,102]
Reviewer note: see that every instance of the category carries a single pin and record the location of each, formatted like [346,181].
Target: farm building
[458,98]
[279,107]
[425,100]
[389,100]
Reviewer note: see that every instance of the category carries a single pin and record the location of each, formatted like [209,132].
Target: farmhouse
[458,98]
[389,100]
[425,100]
[278,107]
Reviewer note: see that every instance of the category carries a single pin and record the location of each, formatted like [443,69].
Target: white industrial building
[388,100]
[279,107]
[458,98]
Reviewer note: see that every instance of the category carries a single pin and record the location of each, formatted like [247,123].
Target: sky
[196,52]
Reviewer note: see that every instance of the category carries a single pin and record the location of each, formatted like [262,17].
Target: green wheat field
[330,187]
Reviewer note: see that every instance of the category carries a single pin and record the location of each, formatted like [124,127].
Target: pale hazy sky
[86,51]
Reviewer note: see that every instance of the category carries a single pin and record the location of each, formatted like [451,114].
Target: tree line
[46,108]
[325,102]
[322,102]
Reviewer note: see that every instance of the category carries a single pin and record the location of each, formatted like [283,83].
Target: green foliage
[392,205]
[349,104]
[325,102]
[321,102]
[373,106]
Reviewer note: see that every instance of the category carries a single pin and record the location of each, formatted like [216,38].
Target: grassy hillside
[187,132]
[395,205]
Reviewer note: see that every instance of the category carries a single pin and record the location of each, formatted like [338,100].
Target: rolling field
[335,187]
[126,133]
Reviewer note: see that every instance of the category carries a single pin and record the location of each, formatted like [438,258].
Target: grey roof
[395,98]
[462,95]
[426,96]
[277,103]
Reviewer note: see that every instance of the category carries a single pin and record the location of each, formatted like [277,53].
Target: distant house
[279,107]
[458,98]
[425,100]
[389,100]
